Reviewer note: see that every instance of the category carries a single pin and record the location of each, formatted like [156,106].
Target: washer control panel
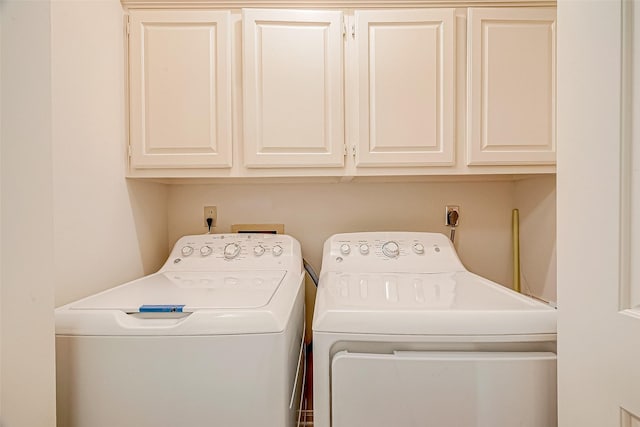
[390,251]
[248,249]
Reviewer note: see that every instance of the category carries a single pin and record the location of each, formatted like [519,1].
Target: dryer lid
[188,292]
[460,303]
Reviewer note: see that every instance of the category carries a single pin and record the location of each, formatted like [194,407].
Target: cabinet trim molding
[305,4]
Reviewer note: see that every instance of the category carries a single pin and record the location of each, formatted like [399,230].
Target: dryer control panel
[390,252]
[245,250]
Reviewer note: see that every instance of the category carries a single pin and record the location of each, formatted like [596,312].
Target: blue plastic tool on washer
[161,308]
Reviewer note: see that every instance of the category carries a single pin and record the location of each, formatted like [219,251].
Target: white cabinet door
[406,78]
[293,88]
[511,86]
[180,89]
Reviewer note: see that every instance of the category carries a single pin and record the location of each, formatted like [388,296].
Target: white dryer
[214,338]
[404,335]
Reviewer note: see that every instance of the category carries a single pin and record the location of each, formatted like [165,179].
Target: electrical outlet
[210,212]
[452,220]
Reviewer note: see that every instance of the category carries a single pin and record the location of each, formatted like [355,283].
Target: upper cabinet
[179,89]
[341,93]
[293,113]
[512,86]
[406,76]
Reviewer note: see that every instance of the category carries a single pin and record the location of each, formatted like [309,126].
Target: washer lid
[460,303]
[188,292]
[187,303]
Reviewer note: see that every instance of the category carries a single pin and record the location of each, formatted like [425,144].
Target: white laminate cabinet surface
[511,86]
[180,89]
[406,77]
[293,88]
[341,93]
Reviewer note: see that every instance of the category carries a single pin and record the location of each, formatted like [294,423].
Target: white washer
[404,335]
[214,338]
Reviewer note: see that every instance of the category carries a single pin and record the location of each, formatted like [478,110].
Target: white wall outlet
[452,215]
[210,212]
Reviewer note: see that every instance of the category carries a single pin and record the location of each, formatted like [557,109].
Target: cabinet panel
[512,86]
[180,89]
[293,96]
[406,78]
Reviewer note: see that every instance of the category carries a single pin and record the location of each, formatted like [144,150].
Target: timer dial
[391,249]
[231,250]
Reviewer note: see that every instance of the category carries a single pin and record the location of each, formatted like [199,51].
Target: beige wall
[71,223]
[535,198]
[107,230]
[27,388]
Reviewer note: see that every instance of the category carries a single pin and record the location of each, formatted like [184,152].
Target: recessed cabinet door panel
[293,97]
[512,86]
[180,89]
[406,75]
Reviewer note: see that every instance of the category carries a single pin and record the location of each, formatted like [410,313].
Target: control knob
[418,248]
[186,250]
[364,249]
[231,250]
[258,250]
[391,249]
[345,249]
[206,250]
[277,250]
